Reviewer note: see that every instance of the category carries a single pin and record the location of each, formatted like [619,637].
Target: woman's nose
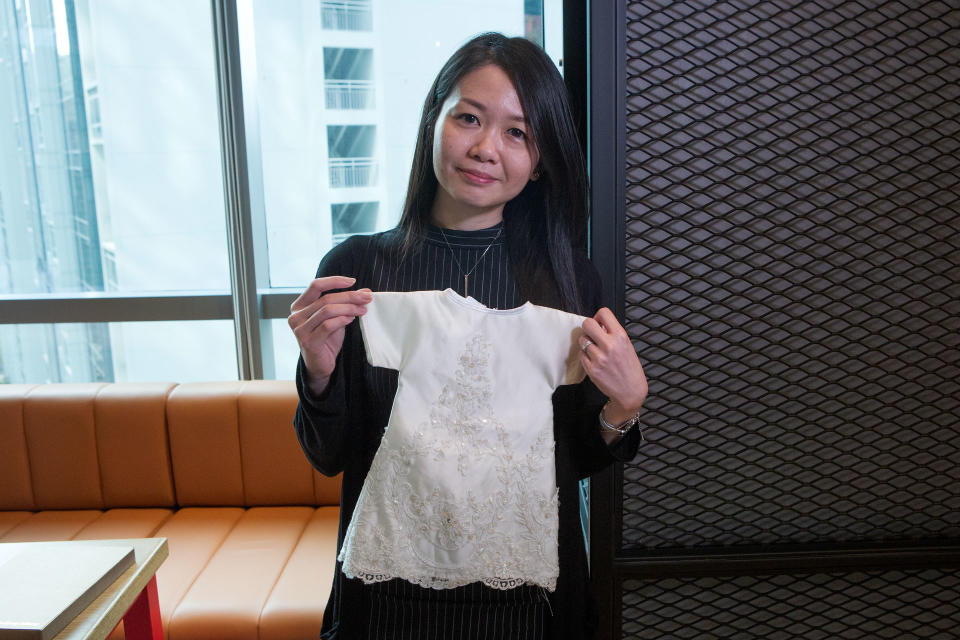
[484,147]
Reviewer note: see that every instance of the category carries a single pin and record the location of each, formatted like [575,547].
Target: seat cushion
[125,523]
[193,536]
[132,449]
[51,525]
[205,444]
[59,426]
[227,598]
[16,490]
[10,519]
[275,471]
[295,607]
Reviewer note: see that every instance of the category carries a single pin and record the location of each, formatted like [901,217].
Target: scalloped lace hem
[436,582]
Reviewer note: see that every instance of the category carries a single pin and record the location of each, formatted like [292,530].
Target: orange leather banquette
[213,467]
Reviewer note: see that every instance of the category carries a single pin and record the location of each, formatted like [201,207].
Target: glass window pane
[343,63]
[339,89]
[118,352]
[285,350]
[347,15]
[353,217]
[110,176]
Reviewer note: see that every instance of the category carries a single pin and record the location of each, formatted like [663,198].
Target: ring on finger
[586,343]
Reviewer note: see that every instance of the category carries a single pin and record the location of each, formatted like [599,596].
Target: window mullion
[237,192]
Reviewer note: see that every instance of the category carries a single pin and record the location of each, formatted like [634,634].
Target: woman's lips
[477,177]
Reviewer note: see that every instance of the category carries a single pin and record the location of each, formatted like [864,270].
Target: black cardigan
[340,431]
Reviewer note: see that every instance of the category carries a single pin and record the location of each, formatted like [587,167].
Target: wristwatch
[621,428]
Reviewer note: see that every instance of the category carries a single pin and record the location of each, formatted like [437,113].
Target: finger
[361,297]
[357,297]
[298,318]
[329,311]
[318,286]
[586,364]
[586,344]
[319,327]
[594,332]
[606,319]
[306,320]
[332,325]
[591,328]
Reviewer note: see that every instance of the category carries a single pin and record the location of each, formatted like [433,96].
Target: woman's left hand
[608,357]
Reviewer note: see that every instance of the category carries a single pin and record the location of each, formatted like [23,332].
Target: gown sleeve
[386,325]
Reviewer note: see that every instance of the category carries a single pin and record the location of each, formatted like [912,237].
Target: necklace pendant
[466,276]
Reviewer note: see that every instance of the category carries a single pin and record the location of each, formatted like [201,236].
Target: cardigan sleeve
[321,419]
[580,426]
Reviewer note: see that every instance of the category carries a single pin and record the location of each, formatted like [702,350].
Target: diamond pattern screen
[894,605]
[793,271]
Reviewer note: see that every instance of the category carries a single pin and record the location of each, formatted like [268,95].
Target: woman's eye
[469,118]
[517,133]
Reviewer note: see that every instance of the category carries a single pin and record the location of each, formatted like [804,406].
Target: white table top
[99,618]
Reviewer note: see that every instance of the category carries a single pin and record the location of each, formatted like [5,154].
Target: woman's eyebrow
[479,106]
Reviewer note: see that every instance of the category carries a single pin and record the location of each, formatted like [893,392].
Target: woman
[496,204]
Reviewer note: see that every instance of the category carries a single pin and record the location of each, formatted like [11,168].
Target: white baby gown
[463,487]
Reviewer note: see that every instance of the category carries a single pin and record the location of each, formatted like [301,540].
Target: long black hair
[544,223]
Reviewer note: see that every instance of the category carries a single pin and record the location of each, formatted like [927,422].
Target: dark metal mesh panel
[895,605]
[793,270]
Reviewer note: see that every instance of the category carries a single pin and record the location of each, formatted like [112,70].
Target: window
[115,251]
[129,126]
[347,15]
[348,77]
[353,217]
[125,351]
[351,149]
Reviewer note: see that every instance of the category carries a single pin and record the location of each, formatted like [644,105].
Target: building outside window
[111,178]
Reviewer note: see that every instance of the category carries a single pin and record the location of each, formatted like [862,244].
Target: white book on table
[43,586]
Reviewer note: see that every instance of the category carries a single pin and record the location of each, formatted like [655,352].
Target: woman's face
[483,150]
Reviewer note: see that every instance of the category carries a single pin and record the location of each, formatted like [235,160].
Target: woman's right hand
[318,320]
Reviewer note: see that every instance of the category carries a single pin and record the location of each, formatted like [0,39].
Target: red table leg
[142,620]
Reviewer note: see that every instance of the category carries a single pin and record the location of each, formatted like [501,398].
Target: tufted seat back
[103,446]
